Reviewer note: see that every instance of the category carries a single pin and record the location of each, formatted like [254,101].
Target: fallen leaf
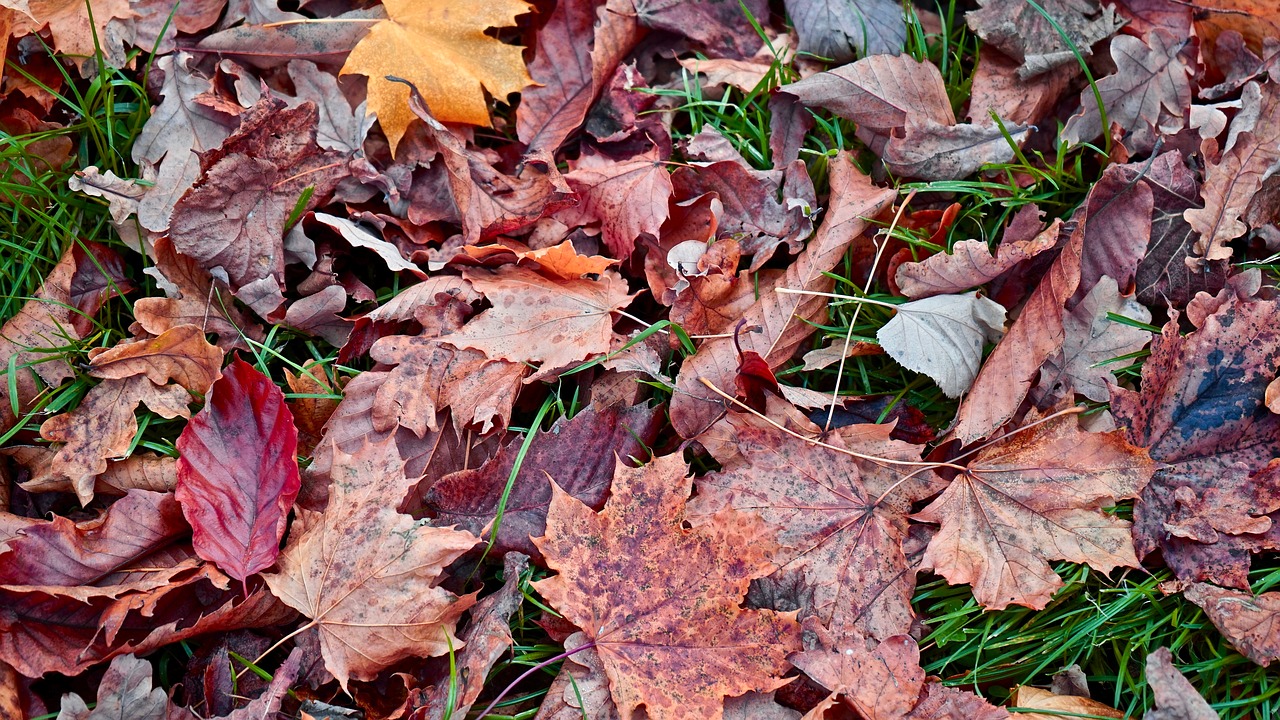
[358,237]
[782,317]
[1025,696]
[180,354]
[998,88]
[103,426]
[122,195]
[581,688]
[719,29]
[340,128]
[943,336]
[311,413]
[1175,698]
[269,43]
[443,50]
[76,33]
[193,298]
[1036,496]
[139,471]
[627,198]
[843,29]
[237,472]
[317,315]
[684,649]
[1254,19]
[487,638]
[125,692]
[1090,340]
[577,51]
[365,575]
[1201,413]
[179,128]
[469,499]
[845,546]
[968,265]
[534,319]
[1117,223]
[1250,622]
[1146,96]
[1036,40]
[930,151]
[1037,333]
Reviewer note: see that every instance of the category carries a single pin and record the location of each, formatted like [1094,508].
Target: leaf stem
[549,661]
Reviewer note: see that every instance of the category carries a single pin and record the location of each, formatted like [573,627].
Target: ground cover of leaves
[635,358]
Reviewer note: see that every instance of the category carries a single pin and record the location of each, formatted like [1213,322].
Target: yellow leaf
[439,46]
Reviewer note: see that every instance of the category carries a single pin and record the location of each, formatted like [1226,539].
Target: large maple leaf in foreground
[662,603]
[366,575]
[1034,497]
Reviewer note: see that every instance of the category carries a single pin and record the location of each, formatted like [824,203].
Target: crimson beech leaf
[237,473]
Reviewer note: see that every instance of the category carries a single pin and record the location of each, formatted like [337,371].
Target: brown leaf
[854,201]
[1117,223]
[77,33]
[267,44]
[1251,622]
[317,315]
[1201,413]
[534,319]
[719,29]
[577,51]
[581,689]
[998,88]
[367,575]
[968,265]
[1175,698]
[1037,333]
[627,198]
[469,499]
[846,548]
[1022,33]
[681,650]
[931,151]
[1146,96]
[311,413]
[1025,696]
[843,30]
[125,692]
[193,298]
[122,195]
[103,427]
[1034,497]
[180,354]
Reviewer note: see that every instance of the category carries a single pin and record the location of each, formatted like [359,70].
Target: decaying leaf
[1175,698]
[122,195]
[968,265]
[627,198]
[180,354]
[125,692]
[1025,696]
[1250,622]
[847,29]
[682,649]
[1024,34]
[1036,496]
[943,336]
[440,47]
[1091,339]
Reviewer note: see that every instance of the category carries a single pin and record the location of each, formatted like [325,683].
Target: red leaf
[238,474]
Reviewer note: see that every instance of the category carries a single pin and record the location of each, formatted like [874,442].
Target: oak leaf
[943,336]
[1250,622]
[671,636]
[366,575]
[784,318]
[122,195]
[180,354]
[237,472]
[535,319]
[1024,34]
[1201,412]
[441,47]
[1175,698]
[1036,496]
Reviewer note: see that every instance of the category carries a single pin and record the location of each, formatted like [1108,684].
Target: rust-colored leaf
[1175,698]
[671,636]
[1251,622]
[180,354]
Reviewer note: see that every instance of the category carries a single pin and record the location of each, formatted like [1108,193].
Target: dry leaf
[125,692]
[1175,698]
[843,30]
[968,265]
[671,636]
[442,49]
[1251,622]
[627,198]
[943,337]
[1024,34]
[122,195]
[1091,339]
[180,354]
[1025,696]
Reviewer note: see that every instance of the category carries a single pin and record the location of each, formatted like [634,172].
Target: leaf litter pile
[676,339]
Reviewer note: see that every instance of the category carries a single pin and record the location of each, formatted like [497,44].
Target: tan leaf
[192,299]
[311,413]
[1033,497]
[943,336]
[672,636]
[180,354]
[122,195]
[534,319]
[367,575]
[74,34]
[442,48]
[1250,622]
[1028,697]
[1039,41]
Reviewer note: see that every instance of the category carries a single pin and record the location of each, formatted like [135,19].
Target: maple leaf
[366,575]
[854,200]
[535,319]
[968,265]
[237,473]
[943,336]
[1035,496]
[125,692]
[1147,94]
[1175,698]
[577,51]
[1036,40]
[441,47]
[470,498]
[671,636]
[627,198]
[1201,412]
[846,547]
[843,30]
[1251,622]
